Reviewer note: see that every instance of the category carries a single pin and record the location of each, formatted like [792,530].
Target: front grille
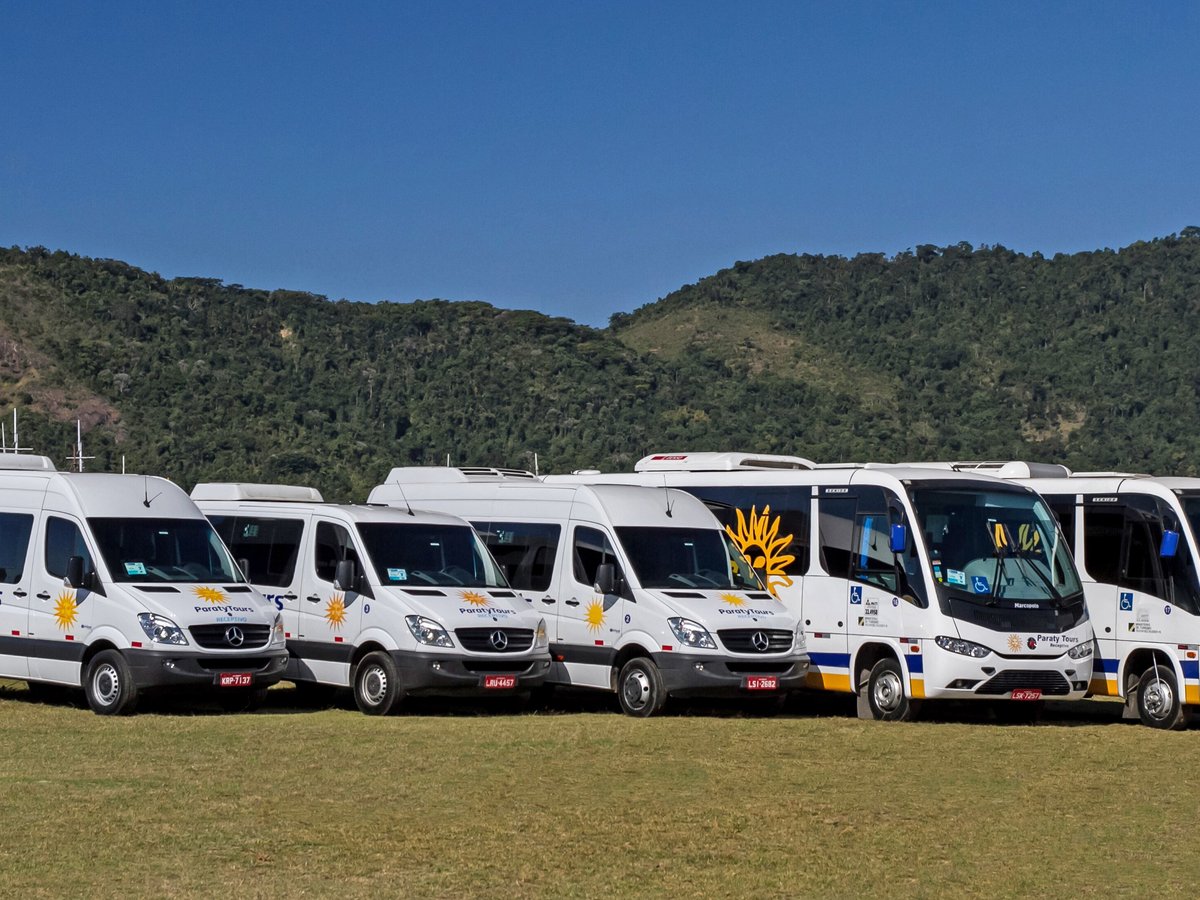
[741,640]
[1049,683]
[214,637]
[235,664]
[492,667]
[479,640]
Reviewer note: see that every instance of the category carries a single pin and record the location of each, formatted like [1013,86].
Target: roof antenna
[147,499]
[535,463]
[16,447]
[400,488]
[78,458]
[667,488]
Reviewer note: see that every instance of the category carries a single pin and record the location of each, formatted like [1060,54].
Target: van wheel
[640,689]
[1158,701]
[885,693]
[376,684]
[109,685]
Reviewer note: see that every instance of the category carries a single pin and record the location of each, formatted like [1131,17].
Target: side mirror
[74,572]
[1170,544]
[606,578]
[345,576]
[899,539]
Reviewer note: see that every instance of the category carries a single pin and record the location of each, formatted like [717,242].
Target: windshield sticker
[979,584]
[397,574]
[209,595]
[594,616]
[760,543]
[734,599]
[135,568]
[66,609]
[335,610]
[956,576]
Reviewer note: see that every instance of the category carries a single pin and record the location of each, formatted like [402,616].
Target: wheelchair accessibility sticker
[979,584]
[1126,601]
[856,594]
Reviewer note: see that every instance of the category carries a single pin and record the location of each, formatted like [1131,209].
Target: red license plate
[1027,694]
[761,683]
[500,682]
[235,679]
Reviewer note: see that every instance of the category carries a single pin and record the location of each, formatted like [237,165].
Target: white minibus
[392,603]
[646,595]
[910,583]
[118,584]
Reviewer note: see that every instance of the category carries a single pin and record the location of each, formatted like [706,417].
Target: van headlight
[958,645]
[428,632]
[540,639]
[277,628]
[692,634]
[160,629]
[1082,650]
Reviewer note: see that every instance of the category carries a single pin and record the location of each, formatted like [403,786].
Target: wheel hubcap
[637,690]
[888,692]
[1158,699]
[106,684]
[374,682]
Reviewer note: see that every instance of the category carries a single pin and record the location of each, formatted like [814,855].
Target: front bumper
[157,669]
[427,674]
[699,675]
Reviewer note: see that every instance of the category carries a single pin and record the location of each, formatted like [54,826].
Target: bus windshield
[995,544]
[153,550]
[687,558]
[429,555]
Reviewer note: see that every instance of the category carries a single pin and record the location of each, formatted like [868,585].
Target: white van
[1134,539]
[911,583]
[118,584]
[393,603]
[646,596]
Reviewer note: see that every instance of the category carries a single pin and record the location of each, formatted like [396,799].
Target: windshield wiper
[1021,564]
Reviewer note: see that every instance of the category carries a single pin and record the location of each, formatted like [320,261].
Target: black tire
[377,684]
[240,700]
[109,686]
[1158,702]
[640,689]
[886,700]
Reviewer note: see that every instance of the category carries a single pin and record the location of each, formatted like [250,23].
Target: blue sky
[583,158]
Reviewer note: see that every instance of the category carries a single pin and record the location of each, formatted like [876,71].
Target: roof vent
[719,462]
[452,475]
[286,493]
[26,462]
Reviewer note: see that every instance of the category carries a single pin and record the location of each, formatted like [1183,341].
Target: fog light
[699,667]
[168,663]
[962,684]
[436,666]
[1079,685]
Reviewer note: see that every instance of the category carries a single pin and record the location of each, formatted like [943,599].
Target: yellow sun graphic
[209,595]
[65,609]
[733,599]
[474,598]
[1014,643]
[594,616]
[335,610]
[759,540]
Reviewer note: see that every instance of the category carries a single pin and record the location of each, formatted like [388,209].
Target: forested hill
[1090,358]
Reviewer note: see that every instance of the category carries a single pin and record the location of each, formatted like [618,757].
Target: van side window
[1102,529]
[1121,544]
[835,517]
[333,545]
[524,550]
[15,530]
[872,559]
[749,514]
[592,548]
[270,547]
[64,540]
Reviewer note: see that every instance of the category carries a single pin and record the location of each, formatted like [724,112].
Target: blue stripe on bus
[1107,666]
[1191,668]
[916,663]
[831,660]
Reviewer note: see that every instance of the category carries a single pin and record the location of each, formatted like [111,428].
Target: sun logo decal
[65,610]
[593,616]
[335,610]
[1014,643]
[759,541]
[474,598]
[733,599]
[209,595]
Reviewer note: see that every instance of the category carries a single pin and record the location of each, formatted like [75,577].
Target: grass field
[300,802]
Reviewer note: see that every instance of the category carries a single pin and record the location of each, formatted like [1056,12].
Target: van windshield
[687,558]
[995,545]
[429,555]
[152,550]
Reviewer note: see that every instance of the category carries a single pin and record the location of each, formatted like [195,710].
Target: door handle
[313,599]
[572,603]
[289,596]
[20,594]
[549,600]
[43,596]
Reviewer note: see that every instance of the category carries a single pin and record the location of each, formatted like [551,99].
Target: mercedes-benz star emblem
[498,639]
[234,636]
[760,641]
